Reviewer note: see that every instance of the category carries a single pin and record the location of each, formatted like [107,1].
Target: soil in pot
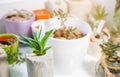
[68,33]
[6,41]
[19,15]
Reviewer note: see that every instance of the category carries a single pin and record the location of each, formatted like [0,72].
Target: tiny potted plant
[40,62]
[3,64]
[18,21]
[100,32]
[109,64]
[9,42]
[115,30]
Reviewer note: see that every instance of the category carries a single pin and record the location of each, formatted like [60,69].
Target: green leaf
[47,48]
[45,38]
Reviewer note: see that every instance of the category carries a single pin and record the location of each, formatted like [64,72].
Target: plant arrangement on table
[9,42]
[109,64]
[40,62]
[115,30]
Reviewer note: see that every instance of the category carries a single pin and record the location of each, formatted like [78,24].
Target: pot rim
[57,39]
[25,21]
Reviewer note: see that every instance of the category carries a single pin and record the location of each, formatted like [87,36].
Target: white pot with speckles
[40,66]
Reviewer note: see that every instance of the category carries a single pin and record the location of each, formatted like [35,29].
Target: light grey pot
[4,72]
[40,66]
[18,70]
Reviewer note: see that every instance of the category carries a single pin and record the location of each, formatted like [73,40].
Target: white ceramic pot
[40,66]
[3,64]
[18,70]
[68,54]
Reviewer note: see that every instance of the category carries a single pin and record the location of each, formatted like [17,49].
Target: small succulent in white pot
[40,62]
[3,64]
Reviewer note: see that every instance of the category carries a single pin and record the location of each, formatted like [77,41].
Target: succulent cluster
[111,50]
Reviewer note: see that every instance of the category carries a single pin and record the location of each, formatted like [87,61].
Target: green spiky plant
[109,48]
[116,27]
[110,51]
[38,46]
[100,13]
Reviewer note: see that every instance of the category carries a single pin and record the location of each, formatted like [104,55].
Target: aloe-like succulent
[38,46]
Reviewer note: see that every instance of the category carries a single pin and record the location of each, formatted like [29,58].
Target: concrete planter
[3,64]
[40,66]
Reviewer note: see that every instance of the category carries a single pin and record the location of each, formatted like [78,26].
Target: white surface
[86,70]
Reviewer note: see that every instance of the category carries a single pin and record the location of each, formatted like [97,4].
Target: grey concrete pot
[40,66]
[18,70]
[4,72]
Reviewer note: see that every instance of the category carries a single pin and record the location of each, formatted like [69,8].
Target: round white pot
[18,70]
[40,66]
[3,64]
[68,54]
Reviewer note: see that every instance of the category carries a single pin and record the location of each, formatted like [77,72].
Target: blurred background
[85,6]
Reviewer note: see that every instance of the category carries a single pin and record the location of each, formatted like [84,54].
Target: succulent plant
[9,43]
[110,48]
[116,27]
[100,13]
[38,46]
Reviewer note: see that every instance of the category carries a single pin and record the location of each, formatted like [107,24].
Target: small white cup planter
[18,70]
[3,64]
[40,66]
[68,54]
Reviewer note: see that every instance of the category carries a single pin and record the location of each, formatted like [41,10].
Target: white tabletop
[86,70]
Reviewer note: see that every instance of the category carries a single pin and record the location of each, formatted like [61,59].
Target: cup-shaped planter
[18,70]
[18,26]
[40,66]
[3,64]
[68,54]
